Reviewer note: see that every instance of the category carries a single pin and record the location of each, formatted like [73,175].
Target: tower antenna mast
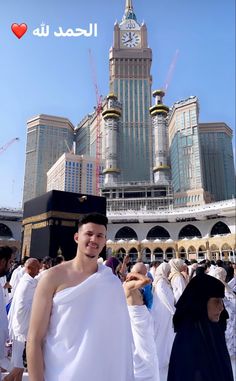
[98,122]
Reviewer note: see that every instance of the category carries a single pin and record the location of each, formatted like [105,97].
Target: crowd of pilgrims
[177,336]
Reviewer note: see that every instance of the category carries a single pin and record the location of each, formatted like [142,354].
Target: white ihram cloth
[232,283]
[19,317]
[230,305]
[89,336]
[15,278]
[3,330]
[145,357]
[162,312]
[3,325]
[19,314]
[3,281]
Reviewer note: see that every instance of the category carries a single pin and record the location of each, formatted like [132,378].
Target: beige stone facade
[221,247]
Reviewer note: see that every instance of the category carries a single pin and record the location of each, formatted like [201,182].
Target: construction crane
[98,122]
[8,144]
[170,71]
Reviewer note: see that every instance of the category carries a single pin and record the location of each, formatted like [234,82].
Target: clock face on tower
[130,39]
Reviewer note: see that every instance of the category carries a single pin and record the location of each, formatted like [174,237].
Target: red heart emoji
[19,29]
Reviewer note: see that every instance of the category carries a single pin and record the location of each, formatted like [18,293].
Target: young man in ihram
[73,303]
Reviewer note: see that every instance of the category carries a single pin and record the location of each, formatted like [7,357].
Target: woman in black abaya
[199,351]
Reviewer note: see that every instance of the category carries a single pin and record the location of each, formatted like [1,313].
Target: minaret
[159,114]
[111,117]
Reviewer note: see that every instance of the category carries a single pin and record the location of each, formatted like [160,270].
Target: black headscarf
[199,351]
[192,305]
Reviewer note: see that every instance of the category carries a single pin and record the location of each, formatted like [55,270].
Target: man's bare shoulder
[62,267]
[56,275]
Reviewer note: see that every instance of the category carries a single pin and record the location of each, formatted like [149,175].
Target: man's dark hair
[153,263]
[6,252]
[219,263]
[47,260]
[95,218]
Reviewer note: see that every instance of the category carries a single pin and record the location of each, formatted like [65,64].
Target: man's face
[5,265]
[91,239]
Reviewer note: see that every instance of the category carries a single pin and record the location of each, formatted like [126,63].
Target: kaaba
[50,222]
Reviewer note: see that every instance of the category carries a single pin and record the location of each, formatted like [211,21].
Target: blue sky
[53,75]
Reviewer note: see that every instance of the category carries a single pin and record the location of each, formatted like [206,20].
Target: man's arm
[40,315]
[135,280]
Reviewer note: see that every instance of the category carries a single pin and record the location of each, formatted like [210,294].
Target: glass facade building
[202,163]
[184,146]
[48,137]
[217,160]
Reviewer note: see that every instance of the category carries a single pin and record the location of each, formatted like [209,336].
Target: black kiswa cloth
[199,351]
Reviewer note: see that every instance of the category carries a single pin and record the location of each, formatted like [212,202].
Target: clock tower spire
[129,12]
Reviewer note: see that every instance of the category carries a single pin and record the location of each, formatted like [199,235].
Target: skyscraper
[217,160]
[48,137]
[73,173]
[130,80]
[185,153]
[202,163]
